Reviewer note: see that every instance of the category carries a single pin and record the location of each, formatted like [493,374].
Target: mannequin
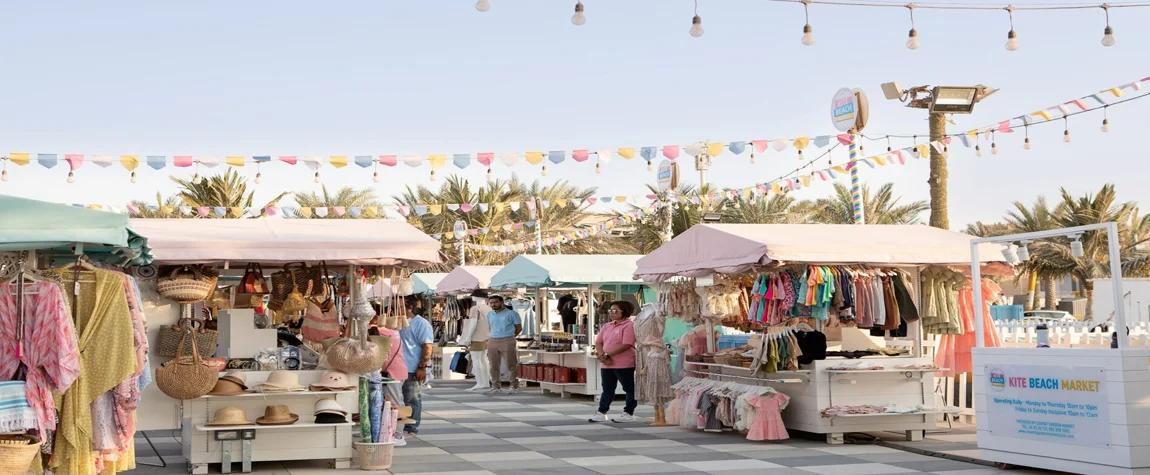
[475,335]
[652,361]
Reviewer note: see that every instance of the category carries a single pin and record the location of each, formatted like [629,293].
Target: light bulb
[697,26]
[483,5]
[544,170]
[316,180]
[649,166]
[259,178]
[375,177]
[1076,248]
[752,158]
[133,179]
[579,18]
[912,42]
[994,151]
[1066,135]
[808,35]
[1105,125]
[1026,144]
[1108,36]
[71,177]
[1011,41]
[946,151]
[433,175]
[489,175]
[196,180]
[4,175]
[1009,255]
[598,169]
[977,151]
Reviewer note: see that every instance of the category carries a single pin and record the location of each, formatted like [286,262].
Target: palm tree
[1038,217]
[165,207]
[346,197]
[780,209]
[650,231]
[227,190]
[939,175]
[881,208]
[981,229]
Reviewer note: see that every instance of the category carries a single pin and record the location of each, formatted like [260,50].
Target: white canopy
[731,248]
[276,241]
[560,270]
[425,282]
[464,279]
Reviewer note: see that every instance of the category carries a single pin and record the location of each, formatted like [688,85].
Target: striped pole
[856,187]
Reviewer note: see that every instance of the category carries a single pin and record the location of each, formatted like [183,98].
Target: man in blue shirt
[505,325]
[417,341]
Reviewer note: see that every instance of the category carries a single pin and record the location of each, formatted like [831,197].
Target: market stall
[58,332]
[574,369]
[465,279]
[331,252]
[458,284]
[424,283]
[1075,410]
[841,295]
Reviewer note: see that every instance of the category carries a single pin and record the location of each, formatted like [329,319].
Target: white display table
[1072,410]
[303,440]
[570,359]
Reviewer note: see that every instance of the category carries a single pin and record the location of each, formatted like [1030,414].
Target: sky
[290,77]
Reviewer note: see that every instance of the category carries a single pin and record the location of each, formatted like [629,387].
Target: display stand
[441,357]
[303,440]
[570,359]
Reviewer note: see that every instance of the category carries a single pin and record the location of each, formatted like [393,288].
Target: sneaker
[598,417]
[624,418]
[400,440]
[513,391]
[495,391]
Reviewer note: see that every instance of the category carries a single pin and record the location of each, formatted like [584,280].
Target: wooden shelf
[297,425]
[717,365]
[556,384]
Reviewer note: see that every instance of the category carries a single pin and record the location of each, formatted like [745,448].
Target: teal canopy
[424,283]
[30,225]
[566,270]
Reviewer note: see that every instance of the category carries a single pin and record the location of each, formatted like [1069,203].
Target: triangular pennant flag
[412,160]
[466,207]
[580,155]
[420,210]
[922,151]
[485,158]
[236,211]
[435,210]
[185,210]
[461,160]
[844,139]
[261,158]
[133,210]
[483,207]
[530,205]
[47,160]
[129,162]
[604,155]
[19,158]
[591,200]
[1080,103]
[879,160]
[507,227]
[453,207]
[802,142]
[1116,91]
[485,230]
[1064,110]
[671,151]
[321,211]
[1004,127]
[182,161]
[534,158]
[472,232]
[388,160]
[627,153]
[157,161]
[289,159]
[338,161]
[737,147]
[868,162]
[648,153]
[436,236]
[693,150]
[437,161]
[760,145]
[74,160]
[517,225]
[499,207]
[403,210]
[822,141]
[312,162]
[621,199]
[780,144]
[220,211]
[364,161]
[509,159]
[339,210]
[556,156]
[234,160]
[806,179]
[938,146]
[901,156]
[514,206]
[715,149]
[203,211]
[530,224]
[1043,114]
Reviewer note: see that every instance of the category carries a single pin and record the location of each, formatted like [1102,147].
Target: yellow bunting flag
[1043,114]
[621,199]
[435,210]
[499,207]
[559,203]
[775,188]
[802,142]
[234,160]
[338,161]
[806,179]
[534,158]
[1117,91]
[371,211]
[714,149]
[20,158]
[627,153]
[923,152]
[305,211]
[167,210]
[130,162]
[237,212]
[436,160]
[839,169]
[882,162]
[96,207]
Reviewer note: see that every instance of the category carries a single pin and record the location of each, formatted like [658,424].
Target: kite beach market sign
[1057,404]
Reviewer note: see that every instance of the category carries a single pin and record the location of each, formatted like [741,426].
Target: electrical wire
[956,6]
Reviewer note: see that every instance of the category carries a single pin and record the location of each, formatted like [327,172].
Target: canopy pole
[591,316]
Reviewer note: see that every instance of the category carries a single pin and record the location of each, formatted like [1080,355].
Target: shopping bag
[459,363]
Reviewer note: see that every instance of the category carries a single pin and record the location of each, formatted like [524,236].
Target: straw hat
[277,416]
[332,381]
[329,406]
[281,381]
[227,387]
[230,416]
[237,376]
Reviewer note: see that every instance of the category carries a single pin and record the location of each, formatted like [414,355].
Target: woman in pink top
[615,346]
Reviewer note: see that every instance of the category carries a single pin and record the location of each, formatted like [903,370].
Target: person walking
[504,325]
[475,337]
[615,347]
[417,339]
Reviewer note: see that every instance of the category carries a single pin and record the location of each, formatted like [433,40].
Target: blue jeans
[610,378]
[413,396]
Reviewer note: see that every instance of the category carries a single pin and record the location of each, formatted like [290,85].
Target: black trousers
[610,378]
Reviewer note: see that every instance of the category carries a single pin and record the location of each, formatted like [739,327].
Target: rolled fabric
[375,403]
[364,411]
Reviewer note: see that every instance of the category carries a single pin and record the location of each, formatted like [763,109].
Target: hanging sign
[1053,404]
[844,109]
[668,175]
[459,229]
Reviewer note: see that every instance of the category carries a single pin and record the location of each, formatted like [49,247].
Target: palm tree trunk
[1051,290]
[938,174]
[1088,290]
[1031,291]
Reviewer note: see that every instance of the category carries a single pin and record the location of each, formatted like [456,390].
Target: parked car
[1048,316]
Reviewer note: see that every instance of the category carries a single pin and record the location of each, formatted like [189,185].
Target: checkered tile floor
[466,433]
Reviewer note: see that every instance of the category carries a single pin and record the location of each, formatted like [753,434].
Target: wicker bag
[184,378]
[318,324]
[295,301]
[295,276]
[354,355]
[168,342]
[187,284]
[17,452]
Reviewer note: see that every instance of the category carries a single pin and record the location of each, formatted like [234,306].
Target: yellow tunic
[107,358]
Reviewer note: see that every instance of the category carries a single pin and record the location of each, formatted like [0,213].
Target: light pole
[939,101]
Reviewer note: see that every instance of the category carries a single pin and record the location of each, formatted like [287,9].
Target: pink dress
[768,422]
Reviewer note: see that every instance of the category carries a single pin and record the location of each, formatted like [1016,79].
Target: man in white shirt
[475,336]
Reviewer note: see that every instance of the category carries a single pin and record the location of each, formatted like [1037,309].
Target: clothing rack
[803,379]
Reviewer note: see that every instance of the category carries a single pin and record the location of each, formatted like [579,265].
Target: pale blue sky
[395,77]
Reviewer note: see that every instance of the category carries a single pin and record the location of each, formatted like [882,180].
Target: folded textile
[16,415]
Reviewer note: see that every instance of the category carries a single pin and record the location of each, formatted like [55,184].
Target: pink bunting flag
[580,155]
[760,145]
[1003,127]
[339,210]
[485,158]
[182,161]
[288,159]
[671,151]
[517,225]
[74,160]
[901,156]
[822,175]
[404,210]
[270,211]
[134,210]
[473,232]
[203,211]
[651,197]
[530,205]
[1080,103]
[466,207]
[592,200]
[388,160]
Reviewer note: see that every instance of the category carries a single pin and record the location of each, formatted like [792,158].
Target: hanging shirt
[502,323]
[417,334]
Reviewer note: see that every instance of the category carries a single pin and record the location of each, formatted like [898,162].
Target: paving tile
[718,466]
[817,460]
[417,451]
[499,466]
[658,429]
[635,469]
[775,453]
[433,437]
[487,425]
[529,433]
[857,469]
[889,458]
[635,443]
[450,445]
[554,439]
[857,449]
[612,436]
[590,447]
[937,465]
[677,449]
[577,454]
[742,447]
[422,467]
[446,472]
[773,471]
[506,456]
[697,456]
[562,470]
[494,446]
[608,460]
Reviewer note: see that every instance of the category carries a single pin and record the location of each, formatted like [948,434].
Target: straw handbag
[170,337]
[296,275]
[17,452]
[184,378]
[187,284]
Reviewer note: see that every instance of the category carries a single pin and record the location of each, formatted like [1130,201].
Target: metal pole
[976,284]
[1116,277]
[463,251]
[702,163]
[856,185]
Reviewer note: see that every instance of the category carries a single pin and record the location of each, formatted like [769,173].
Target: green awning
[30,225]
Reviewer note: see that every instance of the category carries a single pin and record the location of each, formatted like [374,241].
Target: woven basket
[187,284]
[17,453]
[168,340]
[725,359]
[184,378]
[375,456]
[354,354]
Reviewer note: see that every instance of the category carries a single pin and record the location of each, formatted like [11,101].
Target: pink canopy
[732,248]
[465,279]
[277,241]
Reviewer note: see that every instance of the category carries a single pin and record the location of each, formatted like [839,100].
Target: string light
[696,23]
[1105,120]
[993,145]
[544,170]
[71,177]
[1011,36]
[946,151]
[1107,33]
[1066,132]
[483,5]
[912,42]
[752,157]
[196,180]
[259,175]
[489,175]
[433,177]
[316,180]
[1026,143]
[977,151]
[649,166]
[598,169]
[133,179]
[578,18]
[808,32]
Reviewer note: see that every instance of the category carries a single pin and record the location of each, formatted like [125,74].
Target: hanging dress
[652,359]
